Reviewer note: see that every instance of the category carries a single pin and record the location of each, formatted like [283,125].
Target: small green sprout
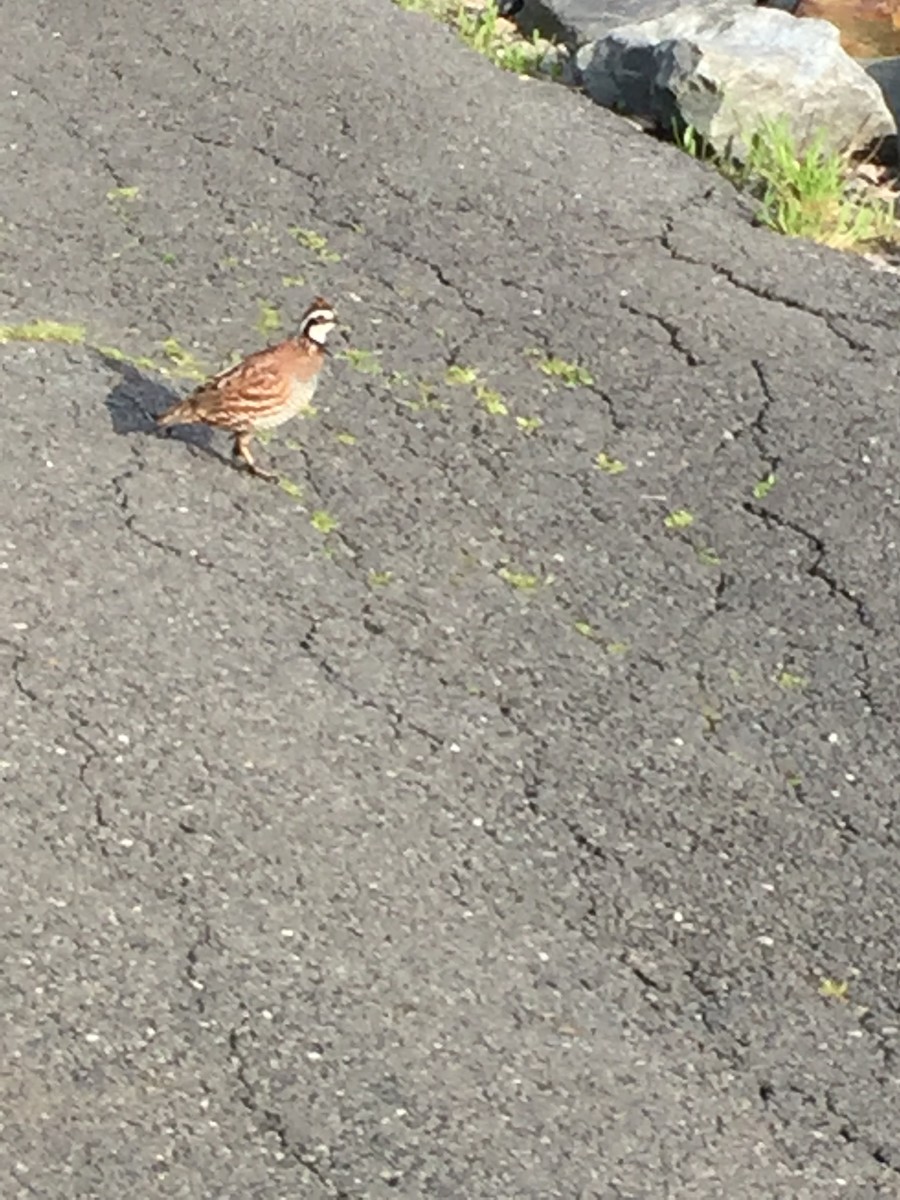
[491,401]
[461,375]
[364,361]
[679,519]
[522,581]
[763,486]
[609,466]
[292,489]
[570,374]
[269,319]
[123,193]
[834,989]
[308,239]
[186,363]
[790,681]
[529,425]
[43,331]
[141,361]
[323,521]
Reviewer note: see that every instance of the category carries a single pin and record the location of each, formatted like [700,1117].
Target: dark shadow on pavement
[137,398]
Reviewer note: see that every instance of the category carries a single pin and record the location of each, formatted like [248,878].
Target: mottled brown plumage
[263,390]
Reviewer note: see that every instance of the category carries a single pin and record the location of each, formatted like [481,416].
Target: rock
[576,22]
[869,28]
[886,73]
[724,71]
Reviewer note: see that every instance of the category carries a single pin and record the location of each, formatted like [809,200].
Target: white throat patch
[319,324]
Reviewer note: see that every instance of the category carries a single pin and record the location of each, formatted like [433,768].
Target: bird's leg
[241,451]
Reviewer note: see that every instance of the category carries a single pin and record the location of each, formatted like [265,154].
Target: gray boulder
[576,22]
[886,73]
[723,71]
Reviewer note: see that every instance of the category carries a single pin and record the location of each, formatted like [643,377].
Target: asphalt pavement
[506,805]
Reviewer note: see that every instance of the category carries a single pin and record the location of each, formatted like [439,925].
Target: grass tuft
[483,30]
[802,192]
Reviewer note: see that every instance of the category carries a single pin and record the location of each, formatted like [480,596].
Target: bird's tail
[182,412]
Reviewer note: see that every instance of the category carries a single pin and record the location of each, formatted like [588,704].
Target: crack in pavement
[269,1121]
[767,294]
[671,328]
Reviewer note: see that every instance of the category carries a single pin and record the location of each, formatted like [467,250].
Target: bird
[263,390]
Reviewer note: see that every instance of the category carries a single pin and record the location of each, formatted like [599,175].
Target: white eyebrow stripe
[318,314]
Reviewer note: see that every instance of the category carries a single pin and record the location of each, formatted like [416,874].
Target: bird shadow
[136,400]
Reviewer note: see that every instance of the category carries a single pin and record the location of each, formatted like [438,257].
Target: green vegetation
[364,361]
[834,989]
[323,521]
[292,489]
[380,578]
[269,319]
[763,486]
[529,425]
[708,556]
[586,630]
[183,364]
[491,401]
[44,331]
[790,681]
[425,399]
[308,239]
[522,581]
[805,193]
[571,374]
[679,519]
[483,30]
[188,366]
[609,466]
[461,375]
[122,193]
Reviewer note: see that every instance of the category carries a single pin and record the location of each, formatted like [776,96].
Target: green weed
[491,401]
[482,31]
[763,486]
[571,374]
[269,319]
[609,466]
[461,375]
[364,361]
[679,519]
[44,331]
[802,192]
[308,239]
[324,522]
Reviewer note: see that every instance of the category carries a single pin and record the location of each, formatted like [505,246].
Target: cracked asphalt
[446,823]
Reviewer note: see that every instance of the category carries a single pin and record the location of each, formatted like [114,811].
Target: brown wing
[253,388]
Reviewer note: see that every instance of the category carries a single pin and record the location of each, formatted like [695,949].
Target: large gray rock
[724,71]
[576,22]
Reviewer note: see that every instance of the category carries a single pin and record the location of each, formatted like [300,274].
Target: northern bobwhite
[263,390]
